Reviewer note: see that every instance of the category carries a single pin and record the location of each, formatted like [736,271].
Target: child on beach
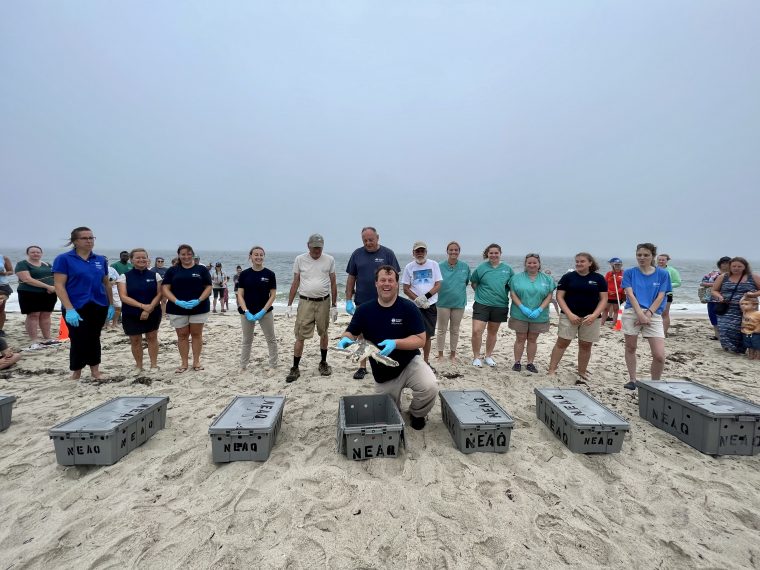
[750,326]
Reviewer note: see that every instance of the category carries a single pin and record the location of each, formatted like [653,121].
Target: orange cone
[63,330]
[619,321]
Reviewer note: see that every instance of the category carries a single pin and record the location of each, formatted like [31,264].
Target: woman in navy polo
[81,283]
[140,292]
[187,286]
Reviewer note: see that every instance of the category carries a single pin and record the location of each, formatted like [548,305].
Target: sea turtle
[362,349]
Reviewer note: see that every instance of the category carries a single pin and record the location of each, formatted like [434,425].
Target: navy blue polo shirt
[141,286]
[362,264]
[187,285]
[84,281]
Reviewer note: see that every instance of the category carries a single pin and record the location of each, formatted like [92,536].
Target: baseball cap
[316,240]
[616,260]
[418,245]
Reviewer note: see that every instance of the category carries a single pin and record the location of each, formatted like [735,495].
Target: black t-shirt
[187,285]
[582,292]
[256,286]
[378,323]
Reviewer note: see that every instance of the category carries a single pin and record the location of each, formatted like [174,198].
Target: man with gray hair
[314,281]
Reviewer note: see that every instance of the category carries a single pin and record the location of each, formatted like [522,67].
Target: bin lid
[248,413]
[107,417]
[475,407]
[6,399]
[702,398]
[580,408]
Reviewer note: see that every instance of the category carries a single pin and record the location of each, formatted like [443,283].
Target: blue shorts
[752,341]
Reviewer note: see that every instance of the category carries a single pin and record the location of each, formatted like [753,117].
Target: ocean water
[685,299]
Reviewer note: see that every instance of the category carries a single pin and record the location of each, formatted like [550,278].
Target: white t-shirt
[314,274]
[422,277]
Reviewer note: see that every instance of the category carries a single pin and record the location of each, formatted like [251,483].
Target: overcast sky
[550,126]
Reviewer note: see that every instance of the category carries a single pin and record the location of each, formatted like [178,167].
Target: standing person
[705,293]
[395,325]
[81,283]
[615,291]
[140,293]
[675,281]
[113,277]
[452,298]
[750,326]
[548,272]
[256,291]
[187,286]
[422,280]
[531,292]
[727,290]
[219,283]
[5,287]
[360,280]
[490,280]
[582,298]
[160,268]
[236,278]
[36,295]
[123,265]
[314,281]
[645,290]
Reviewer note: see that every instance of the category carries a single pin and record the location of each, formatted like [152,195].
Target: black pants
[85,339]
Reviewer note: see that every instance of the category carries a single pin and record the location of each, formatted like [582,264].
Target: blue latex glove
[388,346]
[350,307]
[192,304]
[183,304]
[345,341]
[525,310]
[535,313]
[111,312]
[260,314]
[72,318]
[249,316]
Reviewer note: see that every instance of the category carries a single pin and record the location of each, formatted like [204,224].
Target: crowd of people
[93,294]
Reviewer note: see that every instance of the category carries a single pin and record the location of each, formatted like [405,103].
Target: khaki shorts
[309,314]
[569,331]
[527,327]
[181,321]
[653,330]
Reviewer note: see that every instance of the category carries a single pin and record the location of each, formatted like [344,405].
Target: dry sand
[657,504]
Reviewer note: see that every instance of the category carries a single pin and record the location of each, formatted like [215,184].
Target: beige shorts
[527,327]
[181,321]
[569,331]
[311,314]
[653,330]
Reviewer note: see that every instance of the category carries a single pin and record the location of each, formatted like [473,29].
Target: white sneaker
[490,361]
[36,346]
[477,362]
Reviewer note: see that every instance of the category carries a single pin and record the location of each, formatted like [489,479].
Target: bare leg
[152,338]
[183,344]
[666,318]
[492,330]
[584,355]
[657,346]
[95,372]
[135,343]
[45,325]
[630,355]
[31,324]
[426,349]
[196,338]
[520,346]
[557,352]
[532,346]
[477,337]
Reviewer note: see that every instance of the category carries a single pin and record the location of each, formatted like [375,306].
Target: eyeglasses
[159,261]
[87,238]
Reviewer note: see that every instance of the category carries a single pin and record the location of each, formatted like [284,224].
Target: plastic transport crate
[580,421]
[369,426]
[247,429]
[475,421]
[6,410]
[709,420]
[105,434]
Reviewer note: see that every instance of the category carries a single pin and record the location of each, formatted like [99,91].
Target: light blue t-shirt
[647,287]
[453,291]
[491,284]
[531,293]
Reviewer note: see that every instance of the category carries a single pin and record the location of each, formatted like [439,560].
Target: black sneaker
[360,374]
[293,374]
[517,367]
[2,332]
[531,368]
[630,385]
[324,369]
[417,423]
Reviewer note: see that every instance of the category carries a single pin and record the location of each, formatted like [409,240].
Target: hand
[289,311]
[249,316]
[258,315]
[350,307]
[51,289]
[144,315]
[388,345]
[334,314]
[111,312]
[535,313]
[588,320]
[72,318]
[345,341]
[422,302]
[526,310]
[574,319]
[183,304]
[194,303]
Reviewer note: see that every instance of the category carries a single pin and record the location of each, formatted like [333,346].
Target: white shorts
[653,330]
[181,321]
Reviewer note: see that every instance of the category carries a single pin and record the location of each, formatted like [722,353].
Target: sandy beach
[657,504]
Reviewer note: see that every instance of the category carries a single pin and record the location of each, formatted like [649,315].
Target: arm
[435,289]
[411,342]
[270,301]
[334,289]
[206,293]
[408,292]
[675,278]
[350,284]
[26,277]
[716,288]
[656,303]
[60,290]
[515,299]
[109,289]
[294,288]
[589,319]
[576,320]
[7,267]
[641,316]
[547,300]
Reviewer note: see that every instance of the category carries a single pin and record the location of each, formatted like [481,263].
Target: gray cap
[419,245]
[316,240]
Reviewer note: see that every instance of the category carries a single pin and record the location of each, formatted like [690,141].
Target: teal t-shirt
[492,284]
[531,293]
[453,291]
[42,273]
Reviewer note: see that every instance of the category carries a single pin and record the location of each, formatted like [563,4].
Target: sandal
[198,368]
[180,370]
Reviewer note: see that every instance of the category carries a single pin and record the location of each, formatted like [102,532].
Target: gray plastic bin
[580,421]
[475,421]
[6,410]
[247,429]
[105,434]
[709,420]
[369,426]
